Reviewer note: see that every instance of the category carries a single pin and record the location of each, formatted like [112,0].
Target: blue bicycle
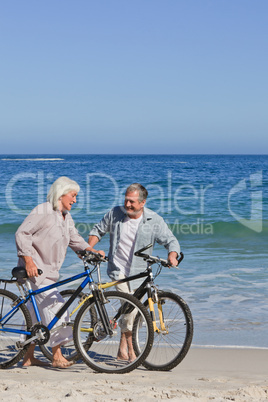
[96,333]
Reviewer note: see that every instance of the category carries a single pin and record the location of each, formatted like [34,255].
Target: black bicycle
[171,317]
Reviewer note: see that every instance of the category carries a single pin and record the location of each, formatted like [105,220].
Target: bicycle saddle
[20,273]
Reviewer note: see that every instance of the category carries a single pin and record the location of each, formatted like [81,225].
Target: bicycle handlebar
[153,259]
[91,256]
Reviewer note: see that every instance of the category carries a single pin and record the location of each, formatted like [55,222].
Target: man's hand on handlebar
[172,258]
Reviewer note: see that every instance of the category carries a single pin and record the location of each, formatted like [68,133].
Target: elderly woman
[42,241]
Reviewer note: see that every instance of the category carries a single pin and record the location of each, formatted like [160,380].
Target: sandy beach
[205,374]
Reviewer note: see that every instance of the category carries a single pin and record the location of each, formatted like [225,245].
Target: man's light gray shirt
[152,229]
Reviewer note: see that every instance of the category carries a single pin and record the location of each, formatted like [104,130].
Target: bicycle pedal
[113,324]
[19,345]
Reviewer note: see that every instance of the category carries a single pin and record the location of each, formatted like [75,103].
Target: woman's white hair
[63,185]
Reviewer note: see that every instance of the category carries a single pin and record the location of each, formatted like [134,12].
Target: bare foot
[131,357]
[62,363]
[126,350]
[122,356]
[32,361]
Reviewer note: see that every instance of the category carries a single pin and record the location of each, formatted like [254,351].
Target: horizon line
[135,154]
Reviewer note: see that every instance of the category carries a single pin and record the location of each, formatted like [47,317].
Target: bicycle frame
[145,287]
[97,333]
[30,296]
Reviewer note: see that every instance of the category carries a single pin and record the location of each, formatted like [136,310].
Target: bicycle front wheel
[102,356]
[68,350]
[19,320]
[173,333]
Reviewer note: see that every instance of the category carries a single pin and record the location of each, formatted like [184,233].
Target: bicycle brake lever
[180,258]
[139,252]
[81,253]
[174,266]
[103,259]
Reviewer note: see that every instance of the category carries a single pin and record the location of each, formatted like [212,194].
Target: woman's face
[66,201]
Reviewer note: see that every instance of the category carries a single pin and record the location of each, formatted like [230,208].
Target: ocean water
[216,205]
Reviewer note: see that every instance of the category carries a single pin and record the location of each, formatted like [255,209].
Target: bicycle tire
[10,351]
[102,355]
[68,350]
[171,346]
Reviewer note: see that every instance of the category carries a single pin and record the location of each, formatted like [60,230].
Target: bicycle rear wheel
[173,340]
[68,350]
[20,320]
[102,355]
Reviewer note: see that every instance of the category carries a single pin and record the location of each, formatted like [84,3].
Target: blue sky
[143,76]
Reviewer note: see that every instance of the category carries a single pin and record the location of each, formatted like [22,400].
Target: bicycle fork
[100,301]
[152,300]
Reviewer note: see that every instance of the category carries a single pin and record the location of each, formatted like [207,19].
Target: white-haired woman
[42,241]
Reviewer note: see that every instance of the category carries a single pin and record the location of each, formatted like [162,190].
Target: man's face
[133,206]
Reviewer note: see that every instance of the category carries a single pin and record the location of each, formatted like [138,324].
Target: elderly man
[132,227]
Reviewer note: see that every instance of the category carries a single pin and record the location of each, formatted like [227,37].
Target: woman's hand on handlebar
[101,252]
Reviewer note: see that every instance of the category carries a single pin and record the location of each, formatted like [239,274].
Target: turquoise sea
[216,205]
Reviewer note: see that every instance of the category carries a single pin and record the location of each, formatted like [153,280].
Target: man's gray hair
[63,185]
[143,193]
